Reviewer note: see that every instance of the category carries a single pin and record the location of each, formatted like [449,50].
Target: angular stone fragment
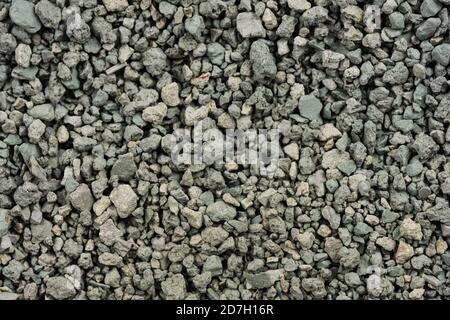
[109,233]
[22,14]
[292,151]
[194,218]
[23,55]
[263,63]
[386,243]
[214,235]
[299,5]
[404,252]
[49,14]
[430,8]
[329,214]
[287,26]
[315,15]
[84,143]
[27,194]
[77,29]
[269,19]
[306,240]
[332,248]
[60,288]
[397,75]
[332,158]
[315,286]
[110,259]
[41,232]
[5,222]
[124,167]
[220,211]
[44,112]
[155,114]
[411,230]
[264,279]
[115,5]
[213,264]
[329,131]
[425,146]
[124,199]
[174,287]
[310,107]
[331,59]
[155,61]
[195,26]
[427,29]
[82,198]
[249,25]
[169,94]
[441,54]
[36,130]
[8,44]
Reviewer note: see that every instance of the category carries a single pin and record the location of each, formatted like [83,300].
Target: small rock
[430,8]
[48,13]
[249,25]
[155,61]
[5,222]
[329,131]
[124,167]
[315,286]
[109,233]
[411,230]
[115,5]
[213,264]
[263,63]
[41,232]
[27,194]
[220,211]
[110,259]
[155,114]
[60,288]
[124,199]
[404,252]
[310,107]
[264,279]
[292,151]
[77,29]
[22,14]
[82,198]
[23,55]
[427,29]
[216,53]
[44,112]
[269,19]
[169,95]
[441,54]
[299,5]
[174,287]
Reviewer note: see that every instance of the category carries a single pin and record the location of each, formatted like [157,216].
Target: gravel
[94,93]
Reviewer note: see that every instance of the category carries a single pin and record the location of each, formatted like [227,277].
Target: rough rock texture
[94,95]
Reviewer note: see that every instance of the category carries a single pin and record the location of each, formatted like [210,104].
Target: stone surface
[124,199]
[60,288]
[220,211]
[22,14]
[115,5]
[81,198]
[49,14]
[155,114]
[310,107]
[249,25]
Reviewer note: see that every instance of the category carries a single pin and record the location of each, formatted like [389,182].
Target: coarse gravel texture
[92,207]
